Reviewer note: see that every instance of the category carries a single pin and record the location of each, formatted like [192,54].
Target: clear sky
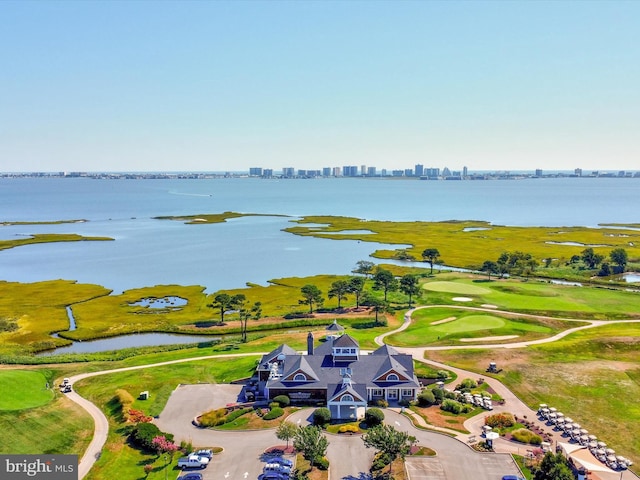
[214,86]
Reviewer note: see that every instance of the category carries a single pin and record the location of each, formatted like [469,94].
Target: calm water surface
[254,249]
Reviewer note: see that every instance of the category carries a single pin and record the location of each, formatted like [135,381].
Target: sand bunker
[462,299]
[488,339]
[438,322]
[488,305]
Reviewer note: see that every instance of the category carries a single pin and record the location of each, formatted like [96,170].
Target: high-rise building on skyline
[418,170]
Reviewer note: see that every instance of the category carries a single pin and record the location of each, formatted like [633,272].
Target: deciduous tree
[311,442]
[553,467]
[364,267]
[410,286]
[390,442]
[311,295]
[356,287]
[339,290]
[384,280]
[286,431]
[430,255]
[490,267]
[591,258]
[619,257]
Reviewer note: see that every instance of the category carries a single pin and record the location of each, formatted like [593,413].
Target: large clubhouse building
[338,374]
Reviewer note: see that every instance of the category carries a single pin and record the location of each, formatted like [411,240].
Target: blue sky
[215,86]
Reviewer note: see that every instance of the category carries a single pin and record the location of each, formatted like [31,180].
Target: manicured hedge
[275,412]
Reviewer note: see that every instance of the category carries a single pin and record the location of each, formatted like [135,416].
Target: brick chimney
[310,344]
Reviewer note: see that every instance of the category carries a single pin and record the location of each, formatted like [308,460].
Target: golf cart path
[101,424]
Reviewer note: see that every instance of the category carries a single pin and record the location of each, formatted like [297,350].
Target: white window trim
[392,394]
[347,398]
[392,377]
[406,392]
[377,392]
[300,377]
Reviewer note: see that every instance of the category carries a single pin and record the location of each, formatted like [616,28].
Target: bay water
[147,251]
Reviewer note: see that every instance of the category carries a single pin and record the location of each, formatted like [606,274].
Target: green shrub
[373,417]
[452,406]
[274,404]
[380,461]
[348,428]
[526,436]
[322,463]
[500,420]
[438,393]
[142,435]
[321,416]
[467,384]
[382,403]
[275,412]
[235,414]
[283,400]
[426,398]
[125,399]
[213,417]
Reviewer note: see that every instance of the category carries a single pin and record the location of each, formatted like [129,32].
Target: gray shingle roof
[327,371]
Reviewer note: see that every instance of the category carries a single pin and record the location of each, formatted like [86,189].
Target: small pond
[630,277]
[129,341]
[164,302]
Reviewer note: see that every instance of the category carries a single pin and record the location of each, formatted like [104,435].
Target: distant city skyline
[227,86]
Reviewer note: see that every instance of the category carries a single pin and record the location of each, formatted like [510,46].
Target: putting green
[455,287]
[23,389]
[471,323]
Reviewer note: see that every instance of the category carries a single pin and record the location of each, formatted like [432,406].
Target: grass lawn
[60,426]
[119,460]
[460,288]
[593,376]
[426,328]
[533,297]
[23,389]
[251,421]
[439,418]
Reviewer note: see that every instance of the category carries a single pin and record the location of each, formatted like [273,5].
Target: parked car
[512,477]
[193,461]
[191,476]
[281,461]
[273,476]
[207,453]
[276,468]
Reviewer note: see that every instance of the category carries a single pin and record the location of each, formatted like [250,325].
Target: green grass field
[426,330]
[22,389]
[593,376]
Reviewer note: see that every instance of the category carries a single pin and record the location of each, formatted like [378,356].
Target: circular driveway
[349,458]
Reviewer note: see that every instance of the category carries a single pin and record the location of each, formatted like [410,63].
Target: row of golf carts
[577,434]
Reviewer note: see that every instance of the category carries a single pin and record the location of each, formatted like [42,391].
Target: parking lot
[243,454]
[485,467]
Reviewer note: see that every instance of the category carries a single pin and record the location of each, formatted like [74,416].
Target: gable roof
[272,356]
[346,340]
[385,350]
[299,365]
[358,392]
[391,365]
